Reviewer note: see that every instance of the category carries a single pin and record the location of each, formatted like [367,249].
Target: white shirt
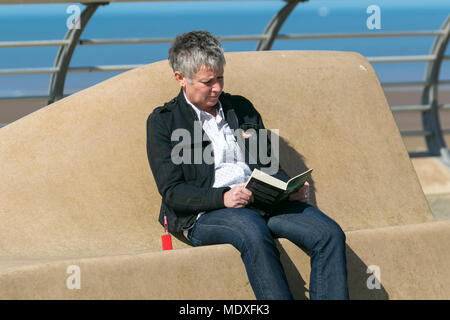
[230,167]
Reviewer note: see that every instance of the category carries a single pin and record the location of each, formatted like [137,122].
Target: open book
[269,191]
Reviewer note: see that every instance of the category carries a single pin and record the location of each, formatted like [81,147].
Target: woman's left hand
[302,194]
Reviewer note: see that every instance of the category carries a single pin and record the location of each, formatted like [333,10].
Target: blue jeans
[304,225]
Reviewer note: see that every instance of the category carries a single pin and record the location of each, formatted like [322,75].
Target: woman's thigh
[234,226]
[304,225]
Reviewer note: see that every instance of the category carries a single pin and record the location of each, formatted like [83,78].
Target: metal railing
[429,106]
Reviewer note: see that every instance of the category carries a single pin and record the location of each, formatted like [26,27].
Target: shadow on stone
[295,280]
[362,284]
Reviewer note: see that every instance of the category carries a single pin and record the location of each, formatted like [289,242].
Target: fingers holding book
[301,194]
[238,197]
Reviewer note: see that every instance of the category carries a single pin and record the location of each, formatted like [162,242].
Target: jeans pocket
[194,237]
[190,232]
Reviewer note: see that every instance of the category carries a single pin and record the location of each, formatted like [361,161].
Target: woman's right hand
[237,197]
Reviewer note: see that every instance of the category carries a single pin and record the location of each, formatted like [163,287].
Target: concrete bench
[77,190]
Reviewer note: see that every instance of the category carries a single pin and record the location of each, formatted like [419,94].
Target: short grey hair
[192,50]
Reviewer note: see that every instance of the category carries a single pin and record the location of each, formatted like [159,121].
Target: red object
[166,226]
[166,241]
[166,237]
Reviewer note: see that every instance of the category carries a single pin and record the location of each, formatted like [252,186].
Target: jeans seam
[323,243]
[319,277]
[256,278]
[321,225]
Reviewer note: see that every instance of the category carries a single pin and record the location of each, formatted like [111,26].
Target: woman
[207,200]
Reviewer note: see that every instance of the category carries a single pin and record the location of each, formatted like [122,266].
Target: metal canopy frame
[430,118]
[72,38]
[429,107]
[65,52]
[274,26]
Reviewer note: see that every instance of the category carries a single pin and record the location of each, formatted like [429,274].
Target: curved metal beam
[430,118]
[275,25]
[65,52]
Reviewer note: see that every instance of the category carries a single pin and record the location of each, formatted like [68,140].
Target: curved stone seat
[76,187]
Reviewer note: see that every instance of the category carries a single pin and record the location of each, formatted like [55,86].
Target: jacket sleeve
[184,198]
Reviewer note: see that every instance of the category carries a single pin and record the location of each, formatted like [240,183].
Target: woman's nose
[217,86]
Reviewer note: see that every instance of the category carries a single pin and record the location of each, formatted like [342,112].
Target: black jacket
[186,188]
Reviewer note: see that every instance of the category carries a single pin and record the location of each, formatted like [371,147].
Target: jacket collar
[227,107]
[185,108]
[228,110]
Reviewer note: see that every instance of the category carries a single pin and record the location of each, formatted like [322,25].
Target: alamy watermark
[189,150]
[74,280]
[374,20]
[73,21]
[374,280]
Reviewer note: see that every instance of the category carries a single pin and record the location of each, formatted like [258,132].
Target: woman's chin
[212,101]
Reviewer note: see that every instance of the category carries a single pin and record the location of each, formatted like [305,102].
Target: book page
[298,180]
[259,175]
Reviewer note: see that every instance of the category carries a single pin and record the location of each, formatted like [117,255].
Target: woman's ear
[180,79]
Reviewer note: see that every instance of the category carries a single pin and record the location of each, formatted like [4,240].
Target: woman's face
[205,87]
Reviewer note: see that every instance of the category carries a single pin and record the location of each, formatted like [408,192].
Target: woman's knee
[333,234]
[257,233]
[331,231]
[256,237]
